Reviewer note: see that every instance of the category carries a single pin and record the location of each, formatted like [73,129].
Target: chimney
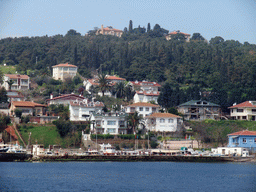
[51,96]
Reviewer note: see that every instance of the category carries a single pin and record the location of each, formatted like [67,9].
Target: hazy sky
[230,19]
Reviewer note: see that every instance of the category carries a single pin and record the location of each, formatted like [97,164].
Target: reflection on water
[127,176]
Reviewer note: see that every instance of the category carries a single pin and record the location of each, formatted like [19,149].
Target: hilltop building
[169,36]
[27,108]
[62,71]
[109,30]
[20,82]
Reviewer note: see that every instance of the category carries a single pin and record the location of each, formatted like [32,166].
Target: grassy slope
[7,69]
[46,135]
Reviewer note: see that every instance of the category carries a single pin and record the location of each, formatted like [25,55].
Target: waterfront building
[113,123]
[245,138]
[164,122]
[234,151]
[19,82]
[143,109]
[244,111]
[199,110]
[63,71]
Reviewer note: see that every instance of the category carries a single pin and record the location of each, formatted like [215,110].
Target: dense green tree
[103,83]
[3,95]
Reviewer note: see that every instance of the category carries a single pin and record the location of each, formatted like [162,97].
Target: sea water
[127,176]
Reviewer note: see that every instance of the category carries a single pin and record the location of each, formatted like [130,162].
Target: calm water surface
[127,176]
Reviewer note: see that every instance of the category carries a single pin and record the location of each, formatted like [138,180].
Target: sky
[230,19]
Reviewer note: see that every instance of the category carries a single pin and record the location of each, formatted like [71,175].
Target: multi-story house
[163,122]
[63,71]
[113,123]
[199,110]
[244,111]
[169,36]
[145,86]
[82,110]
[146,96]
[143,109]
[109,31]
[14,96]
[245,138]
[64,99]
[20,82]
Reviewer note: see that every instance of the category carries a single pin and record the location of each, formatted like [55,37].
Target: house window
[111,122]
[244,140]
[147,108]
[170,120]
[111,130]
[240,110]
[162,120]
[254,110]
[255,140]
[141,108]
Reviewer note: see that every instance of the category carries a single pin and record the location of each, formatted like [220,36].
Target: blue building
[244,138]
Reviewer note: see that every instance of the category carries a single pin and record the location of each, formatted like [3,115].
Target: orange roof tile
[244,104]
[64,65]
[111,29]
[163,115]
[175,32]
[244,132]
[27,104]
[16,76]
[115,78]
[143,104]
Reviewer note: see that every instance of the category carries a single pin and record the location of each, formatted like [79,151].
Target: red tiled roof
[148,93]
[175,32]
[115,78]
[66,95]
[143,104]
[111,29]
[16,76]
[64,65]
[27,104]
[145,83]
[244,104]
[244,132]
[93,81]
[164,115]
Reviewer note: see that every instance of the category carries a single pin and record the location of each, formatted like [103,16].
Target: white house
[143,109]
[164,122]
[146,96]
[20,82]
[237,151]
[113,123]
[62,71]
[64,99]
[145,86]
[82,110]
[244,111]
[112,80]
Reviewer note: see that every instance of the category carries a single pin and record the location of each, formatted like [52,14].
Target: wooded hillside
[225,71]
